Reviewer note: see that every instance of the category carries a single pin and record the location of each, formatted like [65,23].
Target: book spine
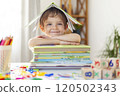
[56,52]
[63,61]
[63,55]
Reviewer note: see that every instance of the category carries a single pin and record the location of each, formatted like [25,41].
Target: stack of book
[61,56]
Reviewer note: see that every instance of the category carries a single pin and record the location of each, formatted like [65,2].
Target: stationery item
[5,57]
[11,41]
[5,54]
[2,43]
[7,42]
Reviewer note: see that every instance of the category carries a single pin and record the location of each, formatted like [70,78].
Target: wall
[10,24]
[102,16]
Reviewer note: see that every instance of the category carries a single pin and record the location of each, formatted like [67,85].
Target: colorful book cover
[63,46]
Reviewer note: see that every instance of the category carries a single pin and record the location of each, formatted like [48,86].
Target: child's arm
[72,37]
[41,41]
[67,39]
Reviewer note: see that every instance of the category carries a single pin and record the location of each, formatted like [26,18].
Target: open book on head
[69,18]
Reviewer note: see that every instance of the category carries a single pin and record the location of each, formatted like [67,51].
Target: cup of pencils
[5,54]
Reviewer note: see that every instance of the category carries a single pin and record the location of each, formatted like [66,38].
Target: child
[53,23]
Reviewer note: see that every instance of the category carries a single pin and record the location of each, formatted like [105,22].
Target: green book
[62,48]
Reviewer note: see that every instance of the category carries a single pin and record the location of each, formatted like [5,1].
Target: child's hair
[52,12]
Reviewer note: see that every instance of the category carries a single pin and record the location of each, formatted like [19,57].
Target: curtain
[30,10]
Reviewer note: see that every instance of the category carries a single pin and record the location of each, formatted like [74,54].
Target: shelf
[78,16]
[81,10]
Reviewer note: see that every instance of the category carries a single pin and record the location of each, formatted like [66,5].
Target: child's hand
[68,43]
[75,43]
[64,43]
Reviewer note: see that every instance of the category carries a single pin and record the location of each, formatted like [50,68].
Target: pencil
[7,42]
[2,43]
[11,41]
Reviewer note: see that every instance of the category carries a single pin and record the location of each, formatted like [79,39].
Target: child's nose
[54,27]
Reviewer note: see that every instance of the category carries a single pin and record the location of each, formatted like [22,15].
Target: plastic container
[5,59]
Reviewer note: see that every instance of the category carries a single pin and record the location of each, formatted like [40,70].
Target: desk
[18,72]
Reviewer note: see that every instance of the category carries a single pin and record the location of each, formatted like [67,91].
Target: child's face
[54,26]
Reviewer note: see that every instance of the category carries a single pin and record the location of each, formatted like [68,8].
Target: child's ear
[66,27]
[41,28]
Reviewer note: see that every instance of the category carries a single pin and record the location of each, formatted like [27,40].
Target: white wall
[102,16]
[10,24]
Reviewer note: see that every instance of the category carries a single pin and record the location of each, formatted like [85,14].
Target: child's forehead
[55,15]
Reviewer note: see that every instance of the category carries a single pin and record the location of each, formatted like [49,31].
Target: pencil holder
[5,58]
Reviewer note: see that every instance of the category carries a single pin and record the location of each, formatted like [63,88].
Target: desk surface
[59,74]
[20,71]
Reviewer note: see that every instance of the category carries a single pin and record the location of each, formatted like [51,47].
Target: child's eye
[49,24]
[60,24]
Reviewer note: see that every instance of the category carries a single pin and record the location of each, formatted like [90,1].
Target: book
[61,48]
[58,56]
[69,18]
[83,53]
[58,67]
[61,52]
[58,64]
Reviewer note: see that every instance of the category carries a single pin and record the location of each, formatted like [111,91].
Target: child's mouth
[54,31]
